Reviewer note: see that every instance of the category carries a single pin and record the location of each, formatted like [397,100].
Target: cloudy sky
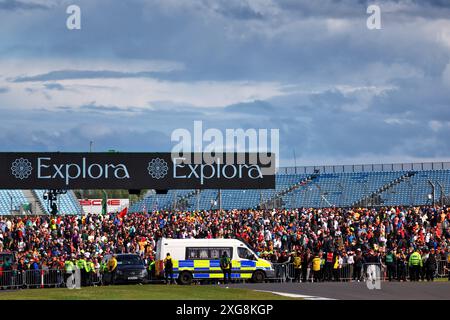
[338,92]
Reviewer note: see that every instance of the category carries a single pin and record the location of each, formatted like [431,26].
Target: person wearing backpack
[225,265]
[168,268]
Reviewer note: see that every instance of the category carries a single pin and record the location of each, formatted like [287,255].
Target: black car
[130,269]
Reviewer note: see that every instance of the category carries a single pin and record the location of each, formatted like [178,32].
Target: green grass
[141,292]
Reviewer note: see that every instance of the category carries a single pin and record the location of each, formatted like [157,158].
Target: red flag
[123,213]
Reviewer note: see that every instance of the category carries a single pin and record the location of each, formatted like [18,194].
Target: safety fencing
[285,272]
[50,278]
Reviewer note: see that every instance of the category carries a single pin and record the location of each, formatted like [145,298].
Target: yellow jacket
[316,264]
[112,264]
[297,262]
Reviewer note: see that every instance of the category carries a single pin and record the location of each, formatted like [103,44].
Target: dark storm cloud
[294,44]
[83,74]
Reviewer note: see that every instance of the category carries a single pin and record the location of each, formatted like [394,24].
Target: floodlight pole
[433,191]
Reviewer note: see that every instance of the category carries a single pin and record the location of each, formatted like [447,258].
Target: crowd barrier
[284,272]
[38,279]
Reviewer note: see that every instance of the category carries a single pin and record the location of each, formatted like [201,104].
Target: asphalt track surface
[358,290]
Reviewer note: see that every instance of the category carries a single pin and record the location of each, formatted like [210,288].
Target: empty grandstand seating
[11,200]
[401,187]
[343,189]
[67,203]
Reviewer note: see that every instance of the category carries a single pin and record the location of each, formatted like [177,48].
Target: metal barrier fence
[39,279]
[387,167]
[347,272]
[284,272]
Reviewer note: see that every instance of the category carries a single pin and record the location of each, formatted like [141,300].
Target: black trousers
[401,273]
[112,275]
[83,274]
[328,272]
[337,274]
[304,272]
[391,271]
[414,273]
[430,274]
[297,274]
[226,275]
[168,273]
[317,275]
[357,273]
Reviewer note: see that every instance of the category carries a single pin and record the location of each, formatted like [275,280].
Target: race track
[358,291]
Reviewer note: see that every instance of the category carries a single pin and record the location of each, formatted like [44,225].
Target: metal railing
[285,272]
[420,166]
[55,278]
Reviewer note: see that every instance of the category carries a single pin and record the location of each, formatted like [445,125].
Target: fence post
[42,278]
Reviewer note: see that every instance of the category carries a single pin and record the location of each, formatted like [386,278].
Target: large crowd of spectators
[277,235]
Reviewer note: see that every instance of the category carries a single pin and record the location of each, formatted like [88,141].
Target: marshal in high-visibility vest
[415,259]
[69,266]
[81,264]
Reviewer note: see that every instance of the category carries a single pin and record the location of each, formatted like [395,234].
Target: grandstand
[320,186]
[67,203]
[32,201]
[11,200]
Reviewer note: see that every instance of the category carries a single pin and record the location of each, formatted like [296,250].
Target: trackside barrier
[11,279]
[374,271]
[33,279]
[285,272]
[441,271]
[96,279]
[43,278]
[52,278]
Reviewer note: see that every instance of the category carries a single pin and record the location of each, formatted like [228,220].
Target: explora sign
[216,171]
[134,171]
[83,170]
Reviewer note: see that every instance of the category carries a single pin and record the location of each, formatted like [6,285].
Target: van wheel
[258,276]
[185,278]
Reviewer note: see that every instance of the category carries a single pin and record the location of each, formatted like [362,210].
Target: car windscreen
[129,260]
